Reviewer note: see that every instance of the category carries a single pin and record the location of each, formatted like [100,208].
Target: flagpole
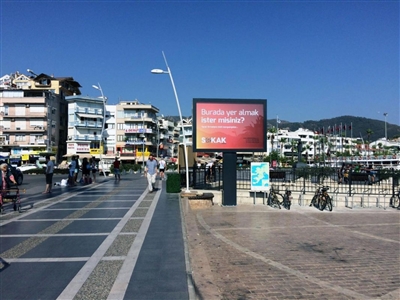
[277,122]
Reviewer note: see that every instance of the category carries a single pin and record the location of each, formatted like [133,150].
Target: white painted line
[53,234]
[61,259]
[125,273]
[69,219]
[76,283]
[25,214]
[53,259]
[88,208]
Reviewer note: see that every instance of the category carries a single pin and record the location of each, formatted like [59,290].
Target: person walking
[6,178]
[117,172]
[94,168]
[162,167]
[76,171]
[86,167]
[72,167]
[150,172]
[49,175]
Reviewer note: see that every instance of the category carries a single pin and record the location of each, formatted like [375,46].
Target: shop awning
[127,158]
[81,155]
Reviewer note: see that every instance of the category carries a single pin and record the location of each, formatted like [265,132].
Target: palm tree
[273,132]
[293,146]
[282,141]
[369,133]
[307,148]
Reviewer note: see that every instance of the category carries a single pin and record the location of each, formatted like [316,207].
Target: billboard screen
[229,125]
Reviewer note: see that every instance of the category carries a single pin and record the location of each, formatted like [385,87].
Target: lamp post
[160,71]
[385,114]
[158,137]
[143,141]
[98,87]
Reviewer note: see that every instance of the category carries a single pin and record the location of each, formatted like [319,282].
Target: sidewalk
[111,240]
[257,252]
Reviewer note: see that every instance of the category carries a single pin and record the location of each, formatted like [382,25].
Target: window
[20,138]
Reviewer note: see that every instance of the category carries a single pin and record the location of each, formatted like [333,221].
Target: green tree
[293,147]
[273,132]
[369,133]
[283,142]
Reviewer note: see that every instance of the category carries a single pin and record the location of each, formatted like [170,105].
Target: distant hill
[359,126]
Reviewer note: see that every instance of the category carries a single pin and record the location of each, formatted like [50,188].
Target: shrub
[172,167]
[174,183]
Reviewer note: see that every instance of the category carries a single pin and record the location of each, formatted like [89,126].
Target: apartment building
[86,120]
[33,114]
[136,130]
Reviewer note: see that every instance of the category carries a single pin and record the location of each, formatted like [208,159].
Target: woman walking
[6,178]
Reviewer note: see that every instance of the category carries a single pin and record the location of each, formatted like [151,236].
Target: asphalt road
[32,188]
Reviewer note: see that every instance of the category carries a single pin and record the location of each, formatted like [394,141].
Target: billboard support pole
[229,179]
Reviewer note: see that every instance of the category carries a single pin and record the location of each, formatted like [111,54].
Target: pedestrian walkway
[112,240]
[258,252]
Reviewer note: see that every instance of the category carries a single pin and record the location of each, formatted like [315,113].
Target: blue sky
[311,60]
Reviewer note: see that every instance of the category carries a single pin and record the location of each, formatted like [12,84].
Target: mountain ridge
[341,124]
[359,126]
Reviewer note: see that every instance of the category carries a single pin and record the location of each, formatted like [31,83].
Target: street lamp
[158,123]
[385,114]
[98,87]
[143,141]
[160,71]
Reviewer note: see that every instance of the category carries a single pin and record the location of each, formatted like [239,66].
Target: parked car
[18,176]
[27,167]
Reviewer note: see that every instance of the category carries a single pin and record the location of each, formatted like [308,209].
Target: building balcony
[84,137]
[20,129]
[86,124]
[91,112]
[12,115]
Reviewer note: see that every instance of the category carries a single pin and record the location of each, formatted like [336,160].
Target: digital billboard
[229,125]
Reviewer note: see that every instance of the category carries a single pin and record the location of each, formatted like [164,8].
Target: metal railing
[304,180]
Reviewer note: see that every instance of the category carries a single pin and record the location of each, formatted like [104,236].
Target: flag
[328,152]
[344,127]
[349,127]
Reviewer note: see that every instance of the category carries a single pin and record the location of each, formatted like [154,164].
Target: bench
[360,177]
[277,175]
[201,200]
[204,196]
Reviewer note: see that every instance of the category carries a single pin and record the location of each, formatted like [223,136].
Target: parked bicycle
[273,199]
[287,199]
[395,200]
[321,199]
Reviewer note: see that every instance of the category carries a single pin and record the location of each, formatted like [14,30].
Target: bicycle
[395,200]
[273,200]
[287,199]
[321,199]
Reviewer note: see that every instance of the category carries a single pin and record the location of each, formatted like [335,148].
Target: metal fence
[305,180]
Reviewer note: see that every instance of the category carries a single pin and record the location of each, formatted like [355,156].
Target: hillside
[359,126]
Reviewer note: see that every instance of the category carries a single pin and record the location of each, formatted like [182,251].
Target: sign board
[259,176]
[229,125]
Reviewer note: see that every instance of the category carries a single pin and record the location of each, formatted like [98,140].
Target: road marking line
[77,282]
[125,273]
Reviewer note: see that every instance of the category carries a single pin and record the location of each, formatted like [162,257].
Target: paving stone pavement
[257,252]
